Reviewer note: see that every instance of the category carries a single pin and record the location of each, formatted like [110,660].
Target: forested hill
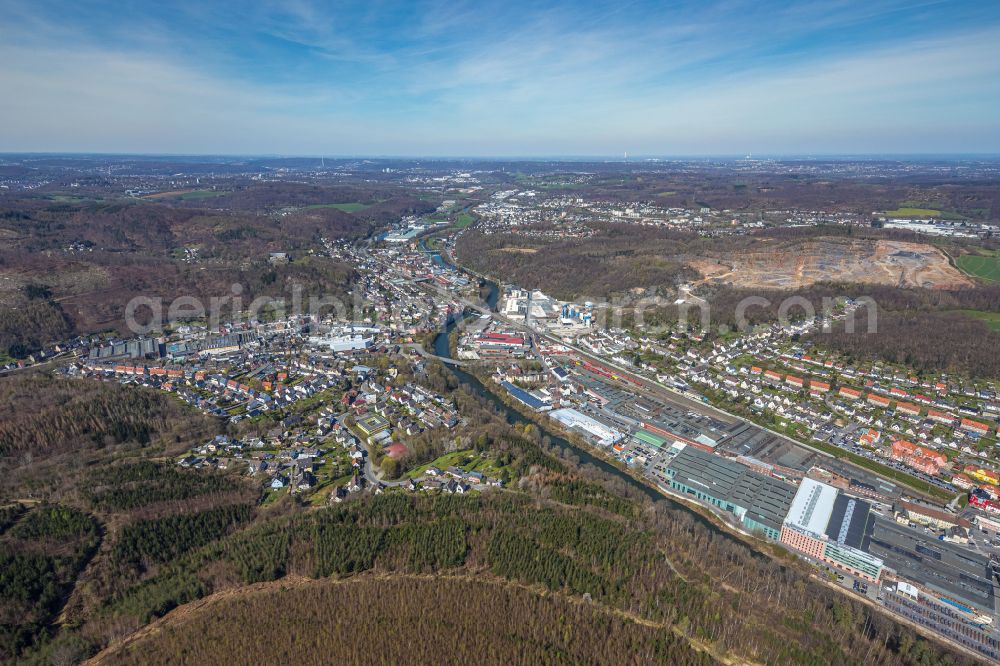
[690,589]
[120,539]
[319,620]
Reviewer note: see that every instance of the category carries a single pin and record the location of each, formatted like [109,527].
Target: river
[494,291]
[512,416]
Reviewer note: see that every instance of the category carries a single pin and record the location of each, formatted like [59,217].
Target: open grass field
[352,207]
[72,198]
[463,220]
[992,319]
[468,460]
[912,212]
[983,267]
[203,194]
[185,195]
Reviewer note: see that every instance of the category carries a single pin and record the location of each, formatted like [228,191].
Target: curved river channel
[513,417]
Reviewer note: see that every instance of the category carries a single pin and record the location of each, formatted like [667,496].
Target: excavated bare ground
[898,263]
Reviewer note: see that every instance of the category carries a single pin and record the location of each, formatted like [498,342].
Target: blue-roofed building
[525,398]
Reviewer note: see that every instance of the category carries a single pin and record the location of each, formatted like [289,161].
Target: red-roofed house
[396,450]
[975,426]
[940,417]
[918,457]
[962,481]
[870,438]
[849,393]
[878,400]
[992,491]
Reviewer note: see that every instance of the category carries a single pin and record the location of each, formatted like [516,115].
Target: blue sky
[451,78]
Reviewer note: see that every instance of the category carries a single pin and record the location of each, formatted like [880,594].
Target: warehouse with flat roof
[589,427]
[524,397]
[832,528]
[812,507]
[759,502]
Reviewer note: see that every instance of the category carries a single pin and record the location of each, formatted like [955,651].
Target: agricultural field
[984,267]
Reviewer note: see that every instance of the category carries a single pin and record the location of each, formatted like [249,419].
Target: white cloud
[90,100]
[540,91]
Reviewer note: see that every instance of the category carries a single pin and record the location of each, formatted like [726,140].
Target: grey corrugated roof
[766,500]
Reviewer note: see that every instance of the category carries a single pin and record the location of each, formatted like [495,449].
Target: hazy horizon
[946,156]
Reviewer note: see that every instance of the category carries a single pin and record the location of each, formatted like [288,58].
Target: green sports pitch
[983,267]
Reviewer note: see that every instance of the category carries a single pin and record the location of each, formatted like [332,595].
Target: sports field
[912,212]
[983,267]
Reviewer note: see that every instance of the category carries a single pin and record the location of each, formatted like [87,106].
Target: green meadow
[203,194]
[992,319]
[352,207]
